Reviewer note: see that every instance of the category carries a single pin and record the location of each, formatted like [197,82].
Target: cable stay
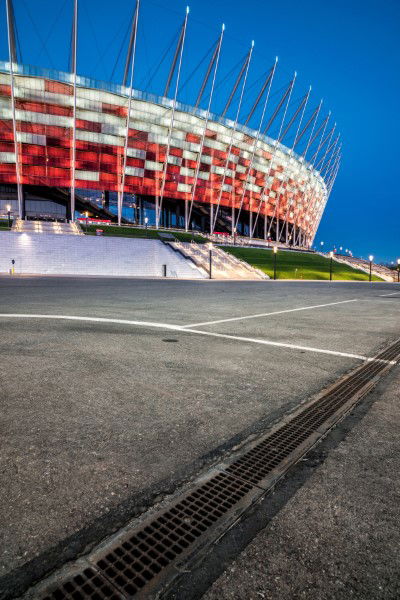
[132,41]
[260,94]
[295,114]
[316,134]
[307,125]
[176,54]
[13,47]
[238,79]
[327,137]
[208,72]
[279,105]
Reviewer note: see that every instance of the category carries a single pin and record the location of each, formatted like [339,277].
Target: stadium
[72,146]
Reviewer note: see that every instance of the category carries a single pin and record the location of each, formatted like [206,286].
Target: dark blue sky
[347,50]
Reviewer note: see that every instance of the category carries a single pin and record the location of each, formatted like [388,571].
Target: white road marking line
[392,294]
[195,331]
[276,312]
[93,320]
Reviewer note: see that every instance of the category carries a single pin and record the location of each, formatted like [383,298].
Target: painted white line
[276,312]
[195,331]
[392,294]
[93,320]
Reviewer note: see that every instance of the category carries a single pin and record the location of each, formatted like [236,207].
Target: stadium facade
[66,139]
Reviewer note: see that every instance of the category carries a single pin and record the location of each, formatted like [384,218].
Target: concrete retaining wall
[91,255]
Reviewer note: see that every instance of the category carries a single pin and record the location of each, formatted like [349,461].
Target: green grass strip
[297,265]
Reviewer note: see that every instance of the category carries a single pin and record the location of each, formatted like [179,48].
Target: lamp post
[322,244]
[331,266]
[9,215]
[146,221]
[371,258]
[234,236]
[210,260]
[398,270]
[275,253]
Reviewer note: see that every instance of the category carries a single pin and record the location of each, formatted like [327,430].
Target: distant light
[210,245]
[371,258]
[331,254]
[8,207]
[146,220]
[275,249]
[398,261]
[341,248]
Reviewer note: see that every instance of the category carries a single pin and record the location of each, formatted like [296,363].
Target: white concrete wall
[90,255]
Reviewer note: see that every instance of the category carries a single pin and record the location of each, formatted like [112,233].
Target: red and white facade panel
[255,175]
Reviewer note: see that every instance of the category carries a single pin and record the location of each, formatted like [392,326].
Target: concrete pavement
[100,419]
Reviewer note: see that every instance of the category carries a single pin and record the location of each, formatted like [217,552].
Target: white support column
[275,150]
[73,161]
[314,197]
[171,126]
[17,169]
[288,172]
[122,189]
[232,134]
[304,156]
[189,213]
[255,148]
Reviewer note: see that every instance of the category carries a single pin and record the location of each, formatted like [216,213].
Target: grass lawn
[297,265]
[153,234]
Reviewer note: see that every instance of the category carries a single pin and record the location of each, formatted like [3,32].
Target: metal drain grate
[87,585]
[266,456]
[139,560]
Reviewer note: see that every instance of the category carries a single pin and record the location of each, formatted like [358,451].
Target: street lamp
[9,215]
[398,270]
[234,235]
[331,266]
[210,260]
[322,243]
[146,221]
[275,253]
[371,258]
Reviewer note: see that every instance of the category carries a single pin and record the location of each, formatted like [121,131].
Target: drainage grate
[152,553]
[262,460]
[137,559]
[87,585]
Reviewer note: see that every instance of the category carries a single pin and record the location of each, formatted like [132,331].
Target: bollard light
[331,266]
[371,258]
[275,255]
[210,260]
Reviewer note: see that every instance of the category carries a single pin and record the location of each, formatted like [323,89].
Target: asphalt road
[99,419]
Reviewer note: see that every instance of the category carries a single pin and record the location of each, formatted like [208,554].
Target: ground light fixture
[331,265]
[210,246]
[371,258]
[275,254]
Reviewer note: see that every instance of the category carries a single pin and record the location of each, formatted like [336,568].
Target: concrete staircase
[224,265]
[49,227]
